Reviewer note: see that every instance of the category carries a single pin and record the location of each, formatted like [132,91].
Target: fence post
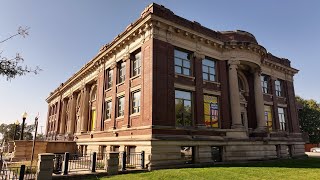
[22,171]
[66,163]
[93,162]
[142,159]
[124,160]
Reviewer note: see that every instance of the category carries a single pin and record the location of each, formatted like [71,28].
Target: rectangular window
[120,106]
[109,78]
[187,154]
[183,108]
[182,62]
[268,117]
[282,119]
[108,108]
[278,87]
[122,71]
[216,153]
[265,83]
[136,102]
[209,70]
[211,111]
[114,148]
[136,64]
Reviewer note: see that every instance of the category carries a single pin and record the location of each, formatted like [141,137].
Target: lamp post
[34,138]
[24,117]
[17,123]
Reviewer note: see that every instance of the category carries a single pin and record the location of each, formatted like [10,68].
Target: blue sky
[64,35]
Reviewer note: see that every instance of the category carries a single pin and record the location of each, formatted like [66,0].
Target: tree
[8,130]
[309,118]
[12,67]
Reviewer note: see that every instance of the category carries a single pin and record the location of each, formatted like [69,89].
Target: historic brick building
[181,92]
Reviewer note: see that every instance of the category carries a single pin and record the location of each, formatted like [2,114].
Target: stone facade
[241,105]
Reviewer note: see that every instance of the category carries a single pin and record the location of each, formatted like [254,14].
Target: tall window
[108,108]
[122,72]
[109,78]
[211,111]
[183,108]
[282,119]
[208,70]
[182,62]
[278,87]
[268,117]
[120,106]
[136,64]
[265,83]
[136,102]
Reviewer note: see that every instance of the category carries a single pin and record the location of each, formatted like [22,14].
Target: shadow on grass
[284,163]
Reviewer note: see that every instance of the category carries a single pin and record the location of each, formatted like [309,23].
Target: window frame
[109,78]
[266,116]
[218,116]
[191,109]
[106,117]
[121,72]
[278,88]
[265,79]
[136,61]
[282,119]
[182,67]
[209,74]
[133,107]
[118,106]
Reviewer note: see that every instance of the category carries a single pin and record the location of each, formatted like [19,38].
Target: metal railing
[17,173]
[132,160]
[79,162]
[74,162]
[101,160]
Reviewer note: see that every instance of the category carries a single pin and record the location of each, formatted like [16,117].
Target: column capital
[113,65]
[233,63]
[199,55]
[126,57]
[256,71]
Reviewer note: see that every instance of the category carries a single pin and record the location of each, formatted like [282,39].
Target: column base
[261,129]
[237,126]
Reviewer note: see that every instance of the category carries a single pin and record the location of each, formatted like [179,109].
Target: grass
[293,169]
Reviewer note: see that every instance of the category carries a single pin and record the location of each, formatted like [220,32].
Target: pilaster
[127,58]
[199,111]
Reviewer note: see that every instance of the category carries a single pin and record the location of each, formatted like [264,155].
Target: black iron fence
[17,173]
[131,160]
[93,161]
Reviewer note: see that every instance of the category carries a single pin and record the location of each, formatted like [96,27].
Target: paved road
[312,154]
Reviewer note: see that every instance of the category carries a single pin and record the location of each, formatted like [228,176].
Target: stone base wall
[23,149]
[165,151]
[166,154]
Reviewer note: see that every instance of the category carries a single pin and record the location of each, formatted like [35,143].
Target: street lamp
[24,117]
[17,123]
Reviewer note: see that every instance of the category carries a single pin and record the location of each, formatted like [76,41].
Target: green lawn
[282,169]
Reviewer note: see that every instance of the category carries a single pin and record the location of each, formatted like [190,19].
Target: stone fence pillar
[112,163]
[45,166]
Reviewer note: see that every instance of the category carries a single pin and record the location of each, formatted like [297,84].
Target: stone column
[112,163]
[45,166]
[85,109]
[234,95]
[63,116]
[127,107]
[72,113]
[259,102]
[48,120]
